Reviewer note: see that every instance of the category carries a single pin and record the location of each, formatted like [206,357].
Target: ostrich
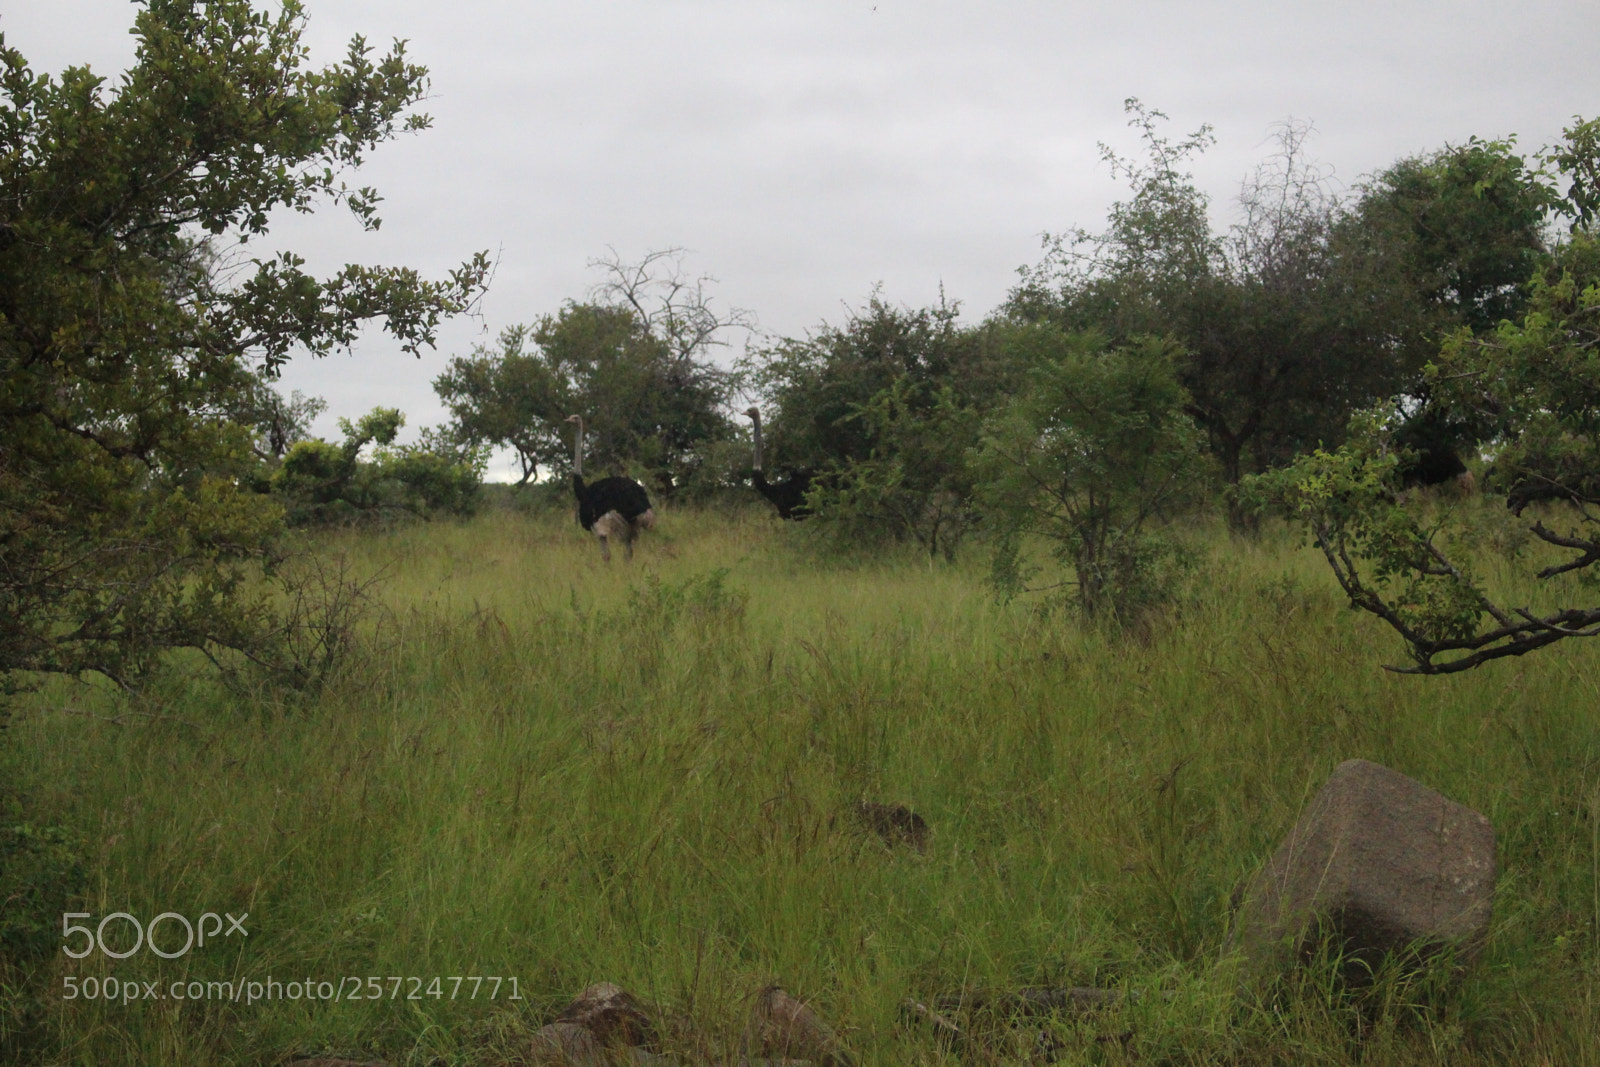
[1436,443]
[789,497]
[611,507]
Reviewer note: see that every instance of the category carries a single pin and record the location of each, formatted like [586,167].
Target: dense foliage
[885,410]
[131,323]
[1533,385]
[1535,382]
[320,482]
[1096,455]
[1311,307]
[633,361]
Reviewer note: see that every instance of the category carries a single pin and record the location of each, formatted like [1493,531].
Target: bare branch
[670,303]
[1590,550]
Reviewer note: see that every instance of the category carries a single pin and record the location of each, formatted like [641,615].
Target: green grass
[544,767]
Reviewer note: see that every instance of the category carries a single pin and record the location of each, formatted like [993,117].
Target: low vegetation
[535,765]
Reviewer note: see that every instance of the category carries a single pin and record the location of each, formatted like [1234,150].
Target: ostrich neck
[577,452]
[755,421]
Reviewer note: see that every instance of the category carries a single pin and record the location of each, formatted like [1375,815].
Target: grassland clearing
[541,766]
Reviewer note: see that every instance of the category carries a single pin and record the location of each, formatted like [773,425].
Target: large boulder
[1379,862]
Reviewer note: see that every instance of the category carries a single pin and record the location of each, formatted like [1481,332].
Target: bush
[42,868]
[1096,456]
[320,482]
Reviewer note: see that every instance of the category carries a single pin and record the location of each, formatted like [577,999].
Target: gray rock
[784,1028]
[1379,861]
[611,1014]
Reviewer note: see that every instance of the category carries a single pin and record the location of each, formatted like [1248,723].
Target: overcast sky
[806,151]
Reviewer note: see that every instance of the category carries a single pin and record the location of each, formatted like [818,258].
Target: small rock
[896,824]
[1384,862]
[784,1028]
[613,1015]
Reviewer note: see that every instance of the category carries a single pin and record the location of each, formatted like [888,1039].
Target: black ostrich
[611,507]
[790,496]
[1435,443]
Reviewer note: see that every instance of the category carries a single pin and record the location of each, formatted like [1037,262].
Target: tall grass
[544,767]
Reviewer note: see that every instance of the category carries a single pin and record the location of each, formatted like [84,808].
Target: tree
[641,406]
[1130,278]
[634,360]
[1457,232]
[610,369]
[672,306]
[1534,384]
[1310,307]
[1095,455]
[1266,353]
[278,421]
[131,326]
[1437,243]
[884,409]
[680,411]
[1280,346]
[509,397]
[1578,162]
[914,481]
